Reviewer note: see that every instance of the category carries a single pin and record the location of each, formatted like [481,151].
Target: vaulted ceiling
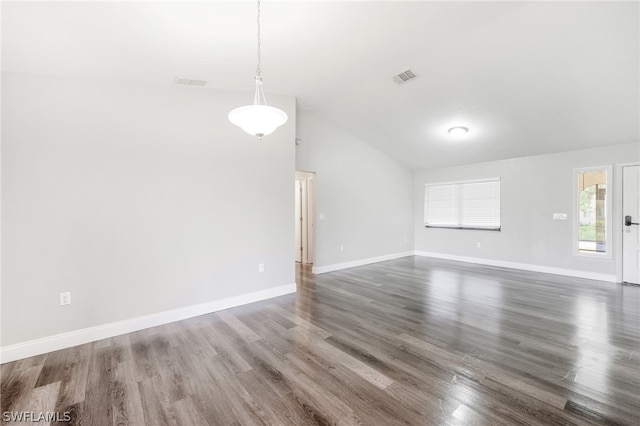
[525,77]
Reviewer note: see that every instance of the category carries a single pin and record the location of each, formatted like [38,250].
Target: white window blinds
[470,204]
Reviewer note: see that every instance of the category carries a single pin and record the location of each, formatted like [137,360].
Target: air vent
[404,77]
[188,82]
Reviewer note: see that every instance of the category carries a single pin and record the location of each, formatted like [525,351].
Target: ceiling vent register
[404,77]
[188,82]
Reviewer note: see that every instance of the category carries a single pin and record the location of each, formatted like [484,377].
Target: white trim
[91,334]
[523,266]
[607,255]
[354,263]
[619,222]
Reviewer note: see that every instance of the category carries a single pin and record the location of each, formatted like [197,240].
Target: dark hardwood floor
[412,341]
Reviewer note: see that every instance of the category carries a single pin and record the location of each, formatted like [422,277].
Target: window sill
[462,227]
[593,256]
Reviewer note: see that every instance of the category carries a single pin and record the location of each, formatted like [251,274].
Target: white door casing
[298,220]
[631,232]
[304,216]
[310,219]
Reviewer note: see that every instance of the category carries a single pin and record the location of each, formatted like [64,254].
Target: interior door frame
[298,221]
[307,208]
[618,223]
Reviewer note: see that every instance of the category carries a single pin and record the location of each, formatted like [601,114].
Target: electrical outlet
[65,298]
[559,216]
[406,240]
[341,247]
[260,267]
[479,244]
[321,216]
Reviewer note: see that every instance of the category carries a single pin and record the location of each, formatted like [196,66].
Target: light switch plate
[559,216]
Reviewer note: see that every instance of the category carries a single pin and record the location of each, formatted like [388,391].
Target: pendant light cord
[259,68]
[259,98]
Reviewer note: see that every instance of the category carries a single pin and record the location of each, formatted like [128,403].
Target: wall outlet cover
[65,298]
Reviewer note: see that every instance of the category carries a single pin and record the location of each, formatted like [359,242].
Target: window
[464,205]
[593,211]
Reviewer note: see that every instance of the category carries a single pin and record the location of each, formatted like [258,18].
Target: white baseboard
[523,266]
[91,334]
[360,262]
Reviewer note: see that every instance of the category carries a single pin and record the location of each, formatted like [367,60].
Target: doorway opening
[304,217]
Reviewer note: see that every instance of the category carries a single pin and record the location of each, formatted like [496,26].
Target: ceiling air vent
[404,77]
[189,82]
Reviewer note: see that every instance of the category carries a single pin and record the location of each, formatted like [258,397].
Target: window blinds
[470,204]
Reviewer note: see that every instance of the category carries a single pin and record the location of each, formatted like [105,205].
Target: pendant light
[258,119]
[458,131]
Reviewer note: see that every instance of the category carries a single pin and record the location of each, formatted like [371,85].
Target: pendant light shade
[258,119]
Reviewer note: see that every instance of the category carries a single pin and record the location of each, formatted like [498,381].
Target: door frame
[618,223]
[299,220]
[308,214]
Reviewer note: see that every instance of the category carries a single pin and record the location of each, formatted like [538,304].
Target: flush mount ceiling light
[258,119]
[458,131]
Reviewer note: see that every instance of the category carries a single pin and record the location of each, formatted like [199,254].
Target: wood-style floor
[412,341]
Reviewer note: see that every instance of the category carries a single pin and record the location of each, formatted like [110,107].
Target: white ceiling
[526,77]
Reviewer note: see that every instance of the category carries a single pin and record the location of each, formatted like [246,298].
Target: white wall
[136,199]
[532,189]
[366,197]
